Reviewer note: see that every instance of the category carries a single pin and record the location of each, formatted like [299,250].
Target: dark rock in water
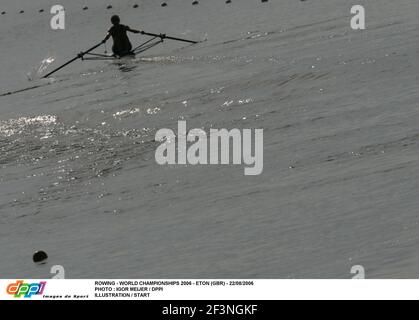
[228,1]
[264,0]
[164,4]
[195,2]
[21,11]
[40,257]
[41,10]
[3,13]
[135,6]
[85,8]
[109,7]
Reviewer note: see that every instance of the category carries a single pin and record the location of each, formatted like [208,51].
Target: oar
[163,36]
[79,56]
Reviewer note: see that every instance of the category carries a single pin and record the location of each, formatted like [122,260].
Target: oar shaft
[59,68]
[79,56]
[163,36]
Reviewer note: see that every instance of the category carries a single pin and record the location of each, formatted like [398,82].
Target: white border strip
[212,289]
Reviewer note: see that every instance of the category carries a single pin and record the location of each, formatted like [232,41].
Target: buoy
[40,257]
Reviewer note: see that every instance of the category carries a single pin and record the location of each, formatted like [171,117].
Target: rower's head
[115,20]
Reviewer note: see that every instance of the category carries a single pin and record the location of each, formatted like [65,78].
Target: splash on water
[36,72]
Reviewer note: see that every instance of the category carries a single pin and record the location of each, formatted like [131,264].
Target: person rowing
[121,44]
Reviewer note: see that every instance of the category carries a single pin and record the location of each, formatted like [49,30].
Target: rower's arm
[106,38]
[133,30]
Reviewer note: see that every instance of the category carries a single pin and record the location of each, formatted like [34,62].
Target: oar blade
[79,56]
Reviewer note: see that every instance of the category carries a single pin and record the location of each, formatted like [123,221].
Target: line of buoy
[135,6]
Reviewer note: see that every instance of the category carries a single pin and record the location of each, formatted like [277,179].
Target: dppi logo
[19,289]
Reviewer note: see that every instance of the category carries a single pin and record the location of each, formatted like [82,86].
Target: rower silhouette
[121,44]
